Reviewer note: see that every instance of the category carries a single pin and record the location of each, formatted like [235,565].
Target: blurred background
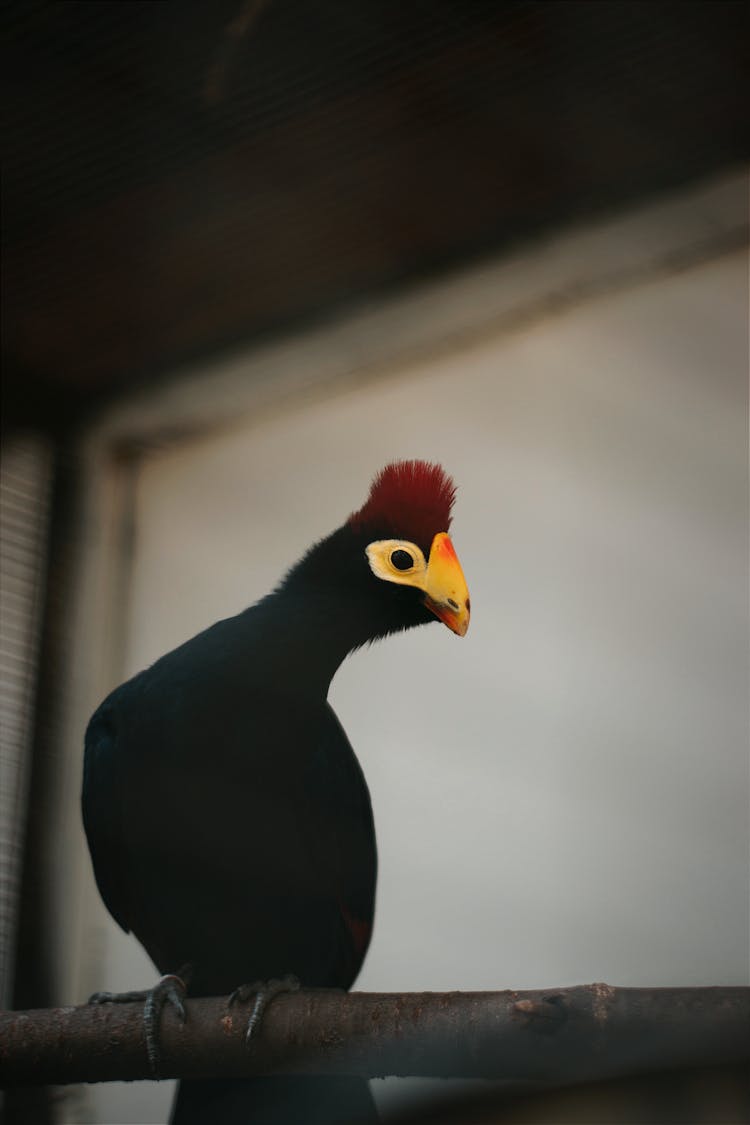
[254,250]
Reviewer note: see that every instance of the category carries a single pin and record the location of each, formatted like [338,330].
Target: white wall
[562,796]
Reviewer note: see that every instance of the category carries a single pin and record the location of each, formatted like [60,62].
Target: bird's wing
[101,803]
[345,833]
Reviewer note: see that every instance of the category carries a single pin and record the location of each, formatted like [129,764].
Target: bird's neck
[305,638]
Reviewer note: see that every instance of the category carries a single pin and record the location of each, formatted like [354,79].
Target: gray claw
[169,990]
[116,997]
[264,991]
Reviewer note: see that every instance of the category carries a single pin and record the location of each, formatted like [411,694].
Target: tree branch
[558,1035]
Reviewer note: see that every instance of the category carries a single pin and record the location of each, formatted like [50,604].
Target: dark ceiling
[179,177]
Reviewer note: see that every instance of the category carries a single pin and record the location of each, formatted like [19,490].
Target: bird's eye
[402,560]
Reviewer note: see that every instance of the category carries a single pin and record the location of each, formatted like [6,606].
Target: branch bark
[558,1035]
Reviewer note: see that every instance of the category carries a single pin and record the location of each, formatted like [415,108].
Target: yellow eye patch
[397,560]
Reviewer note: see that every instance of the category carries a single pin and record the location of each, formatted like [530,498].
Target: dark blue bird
[227,816]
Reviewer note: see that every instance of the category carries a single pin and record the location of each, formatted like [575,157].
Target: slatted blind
[25,487]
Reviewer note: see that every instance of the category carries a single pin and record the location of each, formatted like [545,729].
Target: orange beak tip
[457,621]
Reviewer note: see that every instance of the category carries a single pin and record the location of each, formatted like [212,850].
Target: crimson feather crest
[408,499]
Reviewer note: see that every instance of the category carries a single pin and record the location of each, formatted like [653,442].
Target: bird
[228,819]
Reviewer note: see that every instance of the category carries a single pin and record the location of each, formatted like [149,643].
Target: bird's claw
[117,997]
[264,992]
[171,989]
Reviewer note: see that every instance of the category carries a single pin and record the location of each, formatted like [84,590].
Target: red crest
[408,500]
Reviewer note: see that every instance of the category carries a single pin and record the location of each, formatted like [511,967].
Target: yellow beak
[446,593]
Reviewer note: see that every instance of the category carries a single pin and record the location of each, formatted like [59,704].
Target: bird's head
[391,565]
[403,527]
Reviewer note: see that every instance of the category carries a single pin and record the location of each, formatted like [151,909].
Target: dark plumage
[227,816]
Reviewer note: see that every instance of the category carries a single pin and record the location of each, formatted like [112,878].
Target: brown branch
[564,1035]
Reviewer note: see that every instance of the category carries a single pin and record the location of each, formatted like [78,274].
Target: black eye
[402,560]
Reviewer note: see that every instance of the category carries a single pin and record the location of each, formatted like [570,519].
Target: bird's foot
[171,989]
[264,992]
